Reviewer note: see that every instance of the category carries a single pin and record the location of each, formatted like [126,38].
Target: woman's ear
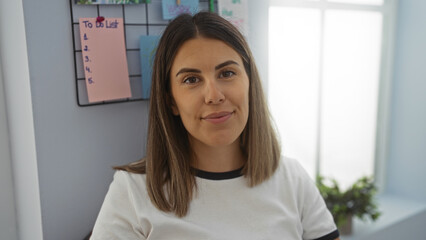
[172,104]
[175,110]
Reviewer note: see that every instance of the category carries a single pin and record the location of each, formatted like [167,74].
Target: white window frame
[388,11]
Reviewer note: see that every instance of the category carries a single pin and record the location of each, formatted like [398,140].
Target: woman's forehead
[203,51]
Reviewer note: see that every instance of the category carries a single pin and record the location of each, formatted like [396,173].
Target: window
[327,80]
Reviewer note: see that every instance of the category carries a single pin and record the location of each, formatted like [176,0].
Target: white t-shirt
[287,206]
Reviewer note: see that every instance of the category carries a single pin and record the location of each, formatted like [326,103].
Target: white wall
[405,175]
[8,228]
[411,228]
[407,146]
[258,37]
[14,59]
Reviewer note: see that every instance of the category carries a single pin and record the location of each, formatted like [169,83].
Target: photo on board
[111,1]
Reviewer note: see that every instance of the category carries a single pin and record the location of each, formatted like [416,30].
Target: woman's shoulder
[290,165]
[292,171]
[129,179]
[126,175]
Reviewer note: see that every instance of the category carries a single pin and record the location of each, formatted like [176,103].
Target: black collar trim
[218,175]
[330,236]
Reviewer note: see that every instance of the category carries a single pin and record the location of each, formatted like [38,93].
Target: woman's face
[210,91]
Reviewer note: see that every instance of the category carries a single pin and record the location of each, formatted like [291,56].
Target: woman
[213,168]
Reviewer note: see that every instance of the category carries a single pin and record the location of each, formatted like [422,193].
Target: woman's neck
[216,158]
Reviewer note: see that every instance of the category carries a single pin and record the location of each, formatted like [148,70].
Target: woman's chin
[220,141]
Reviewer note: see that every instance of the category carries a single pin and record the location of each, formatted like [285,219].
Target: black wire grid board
[138,20]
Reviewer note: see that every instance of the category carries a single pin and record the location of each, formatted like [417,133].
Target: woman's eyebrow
[194,70]
[183,70]
[225,64]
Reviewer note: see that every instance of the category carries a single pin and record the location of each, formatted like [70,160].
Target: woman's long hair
[170,179]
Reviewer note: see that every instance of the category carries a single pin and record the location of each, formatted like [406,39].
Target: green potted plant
[358,201]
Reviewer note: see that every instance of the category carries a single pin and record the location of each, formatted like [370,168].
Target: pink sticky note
[104,58]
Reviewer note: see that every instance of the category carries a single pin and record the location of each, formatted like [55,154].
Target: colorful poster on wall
[104,58]
[148,46]
[173,8]
[111,1]
[235,11]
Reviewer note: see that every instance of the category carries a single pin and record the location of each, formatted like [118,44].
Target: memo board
[138,19]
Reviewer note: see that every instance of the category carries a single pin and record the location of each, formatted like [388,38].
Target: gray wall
[76,146]
[407,148]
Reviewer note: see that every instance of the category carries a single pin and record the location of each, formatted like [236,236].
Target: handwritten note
[148,46]
[171,9]
[104,58]
[236,12]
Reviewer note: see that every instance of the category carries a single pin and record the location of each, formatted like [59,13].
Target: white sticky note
[236,12]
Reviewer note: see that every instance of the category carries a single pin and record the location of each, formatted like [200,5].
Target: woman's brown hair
[170,179]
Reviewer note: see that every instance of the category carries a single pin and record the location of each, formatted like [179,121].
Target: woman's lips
[219,117]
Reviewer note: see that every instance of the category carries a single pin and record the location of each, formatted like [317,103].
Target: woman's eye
[226,74]
[191,80]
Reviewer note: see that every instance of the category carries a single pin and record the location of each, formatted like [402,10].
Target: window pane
[293,80]
[368,2]
[350,93]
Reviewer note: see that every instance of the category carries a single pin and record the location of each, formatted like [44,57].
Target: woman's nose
[213,92]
